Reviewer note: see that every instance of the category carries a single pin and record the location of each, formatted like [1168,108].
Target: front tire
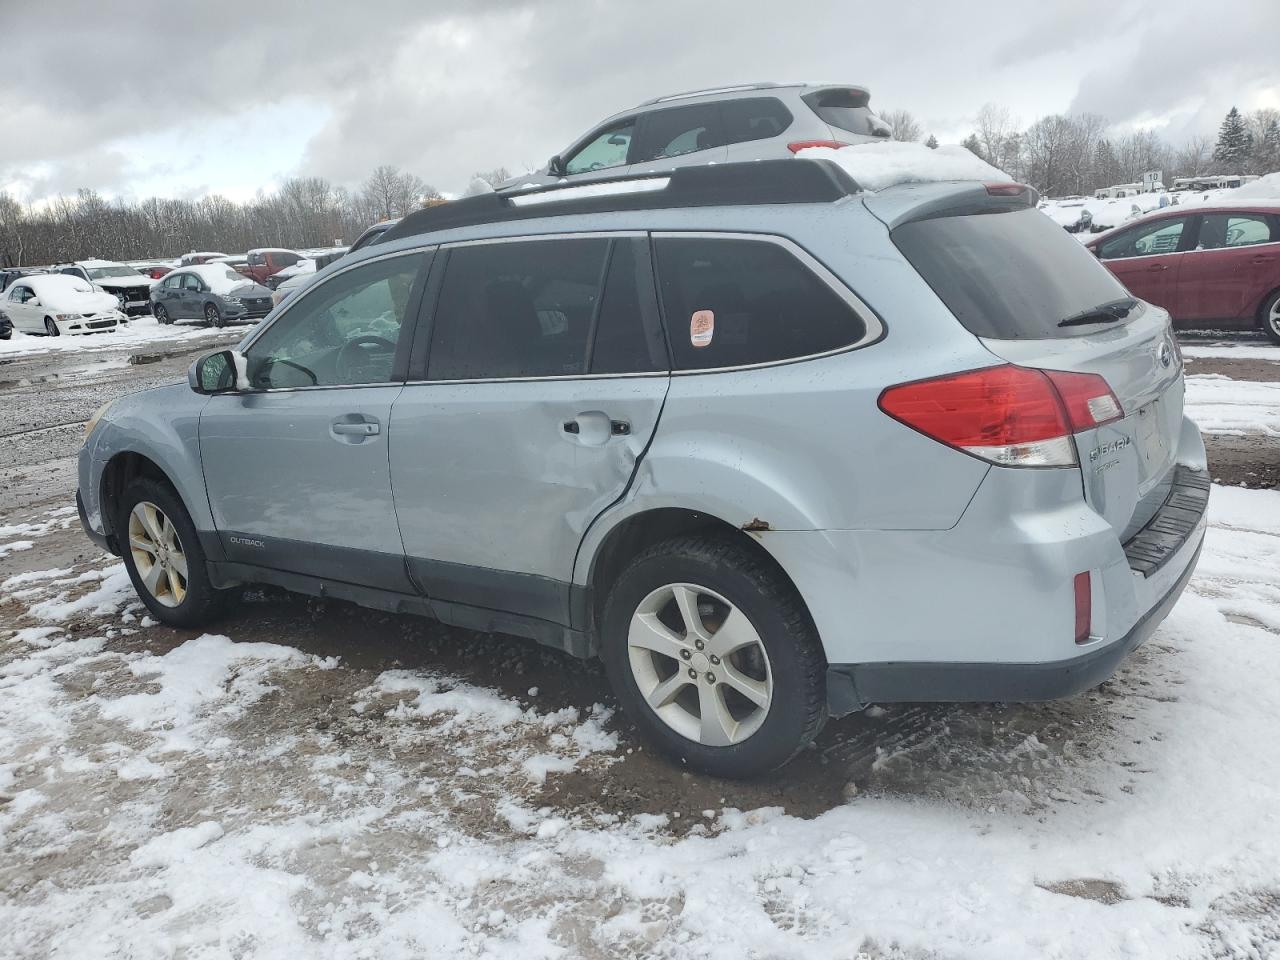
[714,656]
[163,555]
[213,316]
[1271,317]
[51,328]
[162,315]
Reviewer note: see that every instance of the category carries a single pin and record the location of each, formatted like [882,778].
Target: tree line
[303,212]
[1065,154]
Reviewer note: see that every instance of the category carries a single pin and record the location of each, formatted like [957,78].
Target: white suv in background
[752,121]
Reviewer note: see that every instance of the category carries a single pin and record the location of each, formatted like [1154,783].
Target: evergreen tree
[1234,143]
[974,146]
[932,142]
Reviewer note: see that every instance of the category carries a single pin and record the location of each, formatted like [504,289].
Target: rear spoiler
[909,202]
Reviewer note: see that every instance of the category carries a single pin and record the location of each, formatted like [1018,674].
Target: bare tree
[997,135]
[1193,159]
[492,177]
[905,126]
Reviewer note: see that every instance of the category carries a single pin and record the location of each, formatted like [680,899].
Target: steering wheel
[347,355]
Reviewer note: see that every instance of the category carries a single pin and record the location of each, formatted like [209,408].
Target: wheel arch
[1260,313]
[638,531]
[117,473]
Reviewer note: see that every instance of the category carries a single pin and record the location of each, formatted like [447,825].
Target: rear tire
[162,315]
[164,557]
[1271,317]
[213,316]
[740,693]
[51,328]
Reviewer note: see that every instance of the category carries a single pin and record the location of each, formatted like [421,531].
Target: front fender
[162,425]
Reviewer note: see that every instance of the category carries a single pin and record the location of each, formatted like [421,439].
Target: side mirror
[218,373]
[555,166]
[35,302]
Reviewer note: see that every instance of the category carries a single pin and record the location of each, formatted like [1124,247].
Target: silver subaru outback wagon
[772,447]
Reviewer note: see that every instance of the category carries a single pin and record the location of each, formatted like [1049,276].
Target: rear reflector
[797,145]
[1084,607]
[1007,415]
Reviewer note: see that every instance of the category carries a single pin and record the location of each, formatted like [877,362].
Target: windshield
[111,270]
[1012,276]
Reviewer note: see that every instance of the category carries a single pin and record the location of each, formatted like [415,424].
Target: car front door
[1231,267]
[296,465]
[190,297]
[168,294]
[544,380]
[1146,258]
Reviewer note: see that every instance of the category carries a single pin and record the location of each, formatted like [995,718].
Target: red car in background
[1211,266]
[266,261]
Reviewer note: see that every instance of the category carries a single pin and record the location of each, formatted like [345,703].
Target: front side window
[678,130]
[257,259]
[606,149]
[1147,240]
[1222,230]
[21,294]
[731,302]
[519,309]
[343,332]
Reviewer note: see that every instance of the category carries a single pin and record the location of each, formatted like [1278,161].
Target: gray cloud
[443,90]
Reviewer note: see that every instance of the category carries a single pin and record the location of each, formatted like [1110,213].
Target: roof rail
[727,184]
[730,88]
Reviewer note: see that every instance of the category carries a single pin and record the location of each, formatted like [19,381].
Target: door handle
[1260,259]
[356,429]
[594,427]
[1157,268]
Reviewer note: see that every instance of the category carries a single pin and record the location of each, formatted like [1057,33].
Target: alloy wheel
[157,553]
[700,665]
[1273,318]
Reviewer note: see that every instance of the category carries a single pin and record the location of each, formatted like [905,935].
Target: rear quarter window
[1008,276]
[732,302]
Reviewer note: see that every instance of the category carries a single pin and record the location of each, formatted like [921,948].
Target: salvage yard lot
[317,780]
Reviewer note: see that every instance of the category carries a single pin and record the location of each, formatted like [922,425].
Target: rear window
[1008,276]
[731,302]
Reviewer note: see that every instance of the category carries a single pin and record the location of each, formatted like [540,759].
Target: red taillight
[1013,416]
[797,145]
[1088,399]
[1084,607]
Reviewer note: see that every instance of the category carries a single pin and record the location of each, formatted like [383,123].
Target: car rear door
[296,466]
[1147,257]
[671,137]
[1230,267]
[536,383]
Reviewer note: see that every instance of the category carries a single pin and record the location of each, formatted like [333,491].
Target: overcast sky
[177,99]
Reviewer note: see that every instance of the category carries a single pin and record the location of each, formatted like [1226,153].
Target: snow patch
[876,166]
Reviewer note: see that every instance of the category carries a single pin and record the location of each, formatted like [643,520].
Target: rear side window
[678,130]
[1009,276]
[519,309]
[257,259]
[730,302]
[754,118]
[845,109]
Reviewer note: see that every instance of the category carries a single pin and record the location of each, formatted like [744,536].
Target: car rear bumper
[851,687]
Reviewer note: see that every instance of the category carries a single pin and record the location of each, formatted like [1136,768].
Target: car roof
[51,281]
[97,262]
[272,250]
[732,92]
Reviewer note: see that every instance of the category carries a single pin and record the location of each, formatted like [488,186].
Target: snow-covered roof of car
[220,277]
[272,250]
[96,262]
[889,163]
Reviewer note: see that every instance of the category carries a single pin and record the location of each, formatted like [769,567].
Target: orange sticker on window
[702,327]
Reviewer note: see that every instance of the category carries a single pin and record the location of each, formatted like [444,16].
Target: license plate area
[1153,445]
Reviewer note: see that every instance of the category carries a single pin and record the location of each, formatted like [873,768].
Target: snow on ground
[141,331]
[161,798]
[1222,405]
[1232,350]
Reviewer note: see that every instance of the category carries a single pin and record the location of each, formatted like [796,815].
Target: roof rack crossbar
[729,184]
[728,88]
